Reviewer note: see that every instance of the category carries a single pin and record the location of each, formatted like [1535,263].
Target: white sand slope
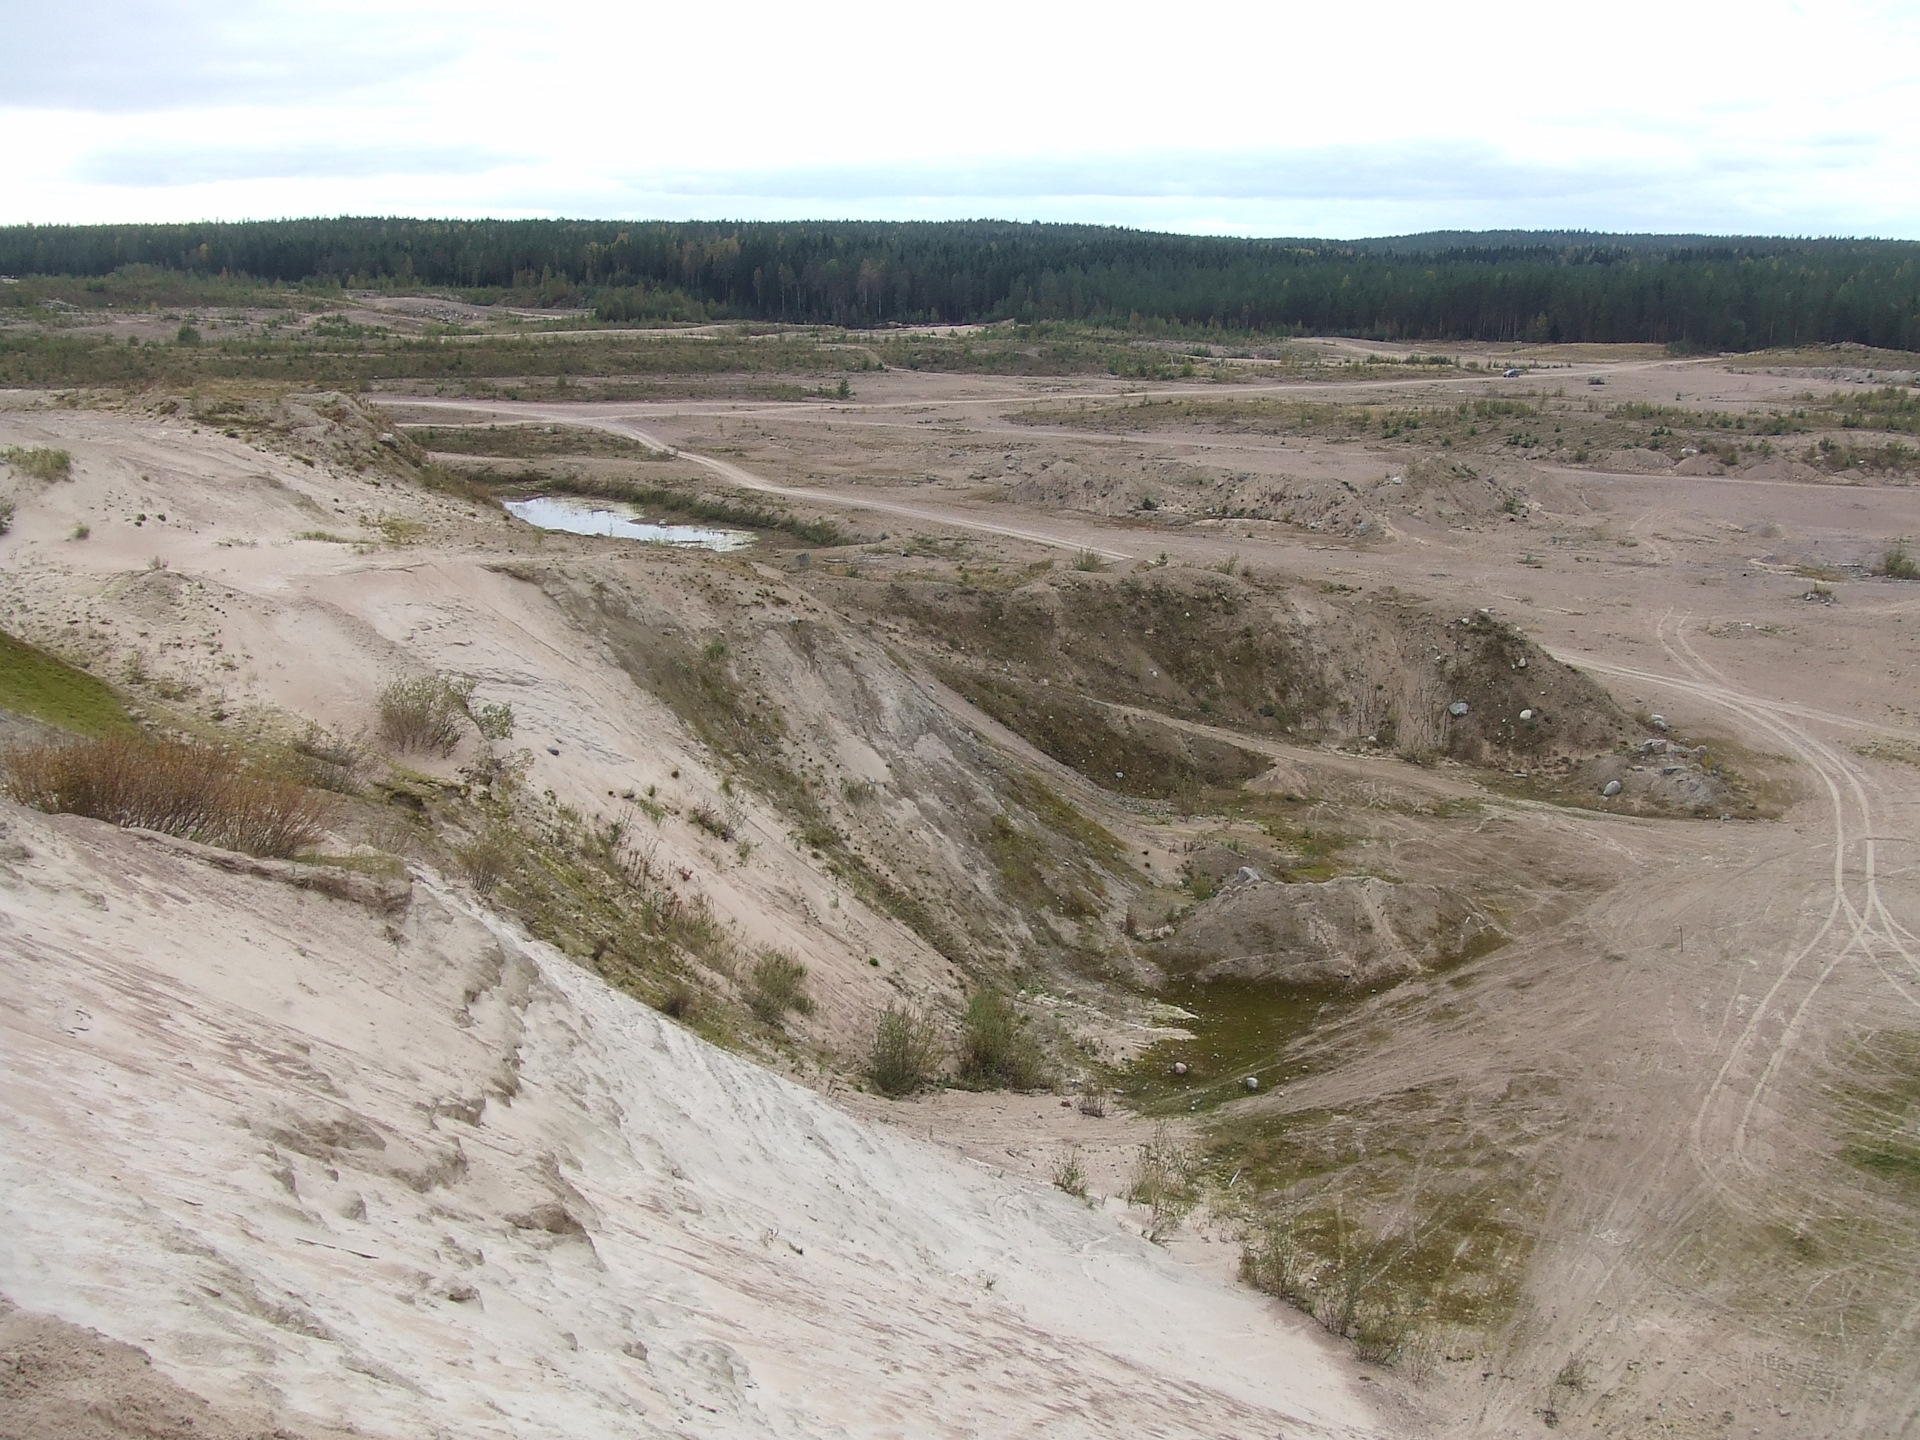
[341,1163]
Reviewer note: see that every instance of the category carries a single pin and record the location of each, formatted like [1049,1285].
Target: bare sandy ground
[406,1173]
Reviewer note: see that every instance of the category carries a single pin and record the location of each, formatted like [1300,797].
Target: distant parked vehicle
[1509,374]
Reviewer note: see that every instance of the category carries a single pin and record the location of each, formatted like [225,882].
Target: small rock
[1526,714]
[553,749]
[1523,662]
[1253,1082]
[1458,708]
[1612,789]
[1247,872]
[1659,722]
[1179,1067]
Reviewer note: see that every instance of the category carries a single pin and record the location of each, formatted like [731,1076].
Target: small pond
[584,517]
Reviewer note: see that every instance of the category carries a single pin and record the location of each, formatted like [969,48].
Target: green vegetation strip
[42,687]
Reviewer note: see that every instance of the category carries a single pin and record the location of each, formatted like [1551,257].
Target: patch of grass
[198,792]
[905,1054]
[1033,878]
[41,464]
[997,1049]
[1389,1218]
[1070,1175]
[1882,1107]
[45,688]
[529,442]
[1088,560]
[777,986]
[1898,563]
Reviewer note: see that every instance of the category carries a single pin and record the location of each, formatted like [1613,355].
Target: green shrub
[6,516]
[425,712]
[776,985]
[198,792]
[489,857]
[905,1055]
[495,722]
[996,1051]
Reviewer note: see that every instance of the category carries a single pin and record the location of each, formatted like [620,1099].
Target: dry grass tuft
[198,792]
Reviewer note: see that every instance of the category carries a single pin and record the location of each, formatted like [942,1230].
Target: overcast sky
[1274,118]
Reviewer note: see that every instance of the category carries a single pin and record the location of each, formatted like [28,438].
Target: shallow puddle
[583,517]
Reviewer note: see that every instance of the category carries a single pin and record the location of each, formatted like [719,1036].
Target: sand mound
[408,1174]
[1352,931]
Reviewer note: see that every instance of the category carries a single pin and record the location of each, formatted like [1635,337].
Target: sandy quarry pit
[1674,1050]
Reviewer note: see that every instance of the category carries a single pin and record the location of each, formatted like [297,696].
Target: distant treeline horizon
[1689,292]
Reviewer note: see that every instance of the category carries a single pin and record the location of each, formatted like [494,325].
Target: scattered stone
[1526,714]
[553,749]
[1612,789]
[1458,708]
[1247,872]
[1179,1067]
[1659,722]
[1253,1082]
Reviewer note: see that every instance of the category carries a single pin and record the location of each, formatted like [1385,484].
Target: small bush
[495,722]
[905,1055]
[1088,560]
[1898,563]
[777,985]
[40,464]
[198,792]
[1070,1175]
[489,857]
[186,335]
[712,821]
[1163,1181]
[1094,1102]
[425,712]
[996,1052]
[6,516]
[327,761]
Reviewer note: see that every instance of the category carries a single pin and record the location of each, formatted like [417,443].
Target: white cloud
[1277,118]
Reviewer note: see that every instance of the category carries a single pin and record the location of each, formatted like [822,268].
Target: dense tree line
[1693,291]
